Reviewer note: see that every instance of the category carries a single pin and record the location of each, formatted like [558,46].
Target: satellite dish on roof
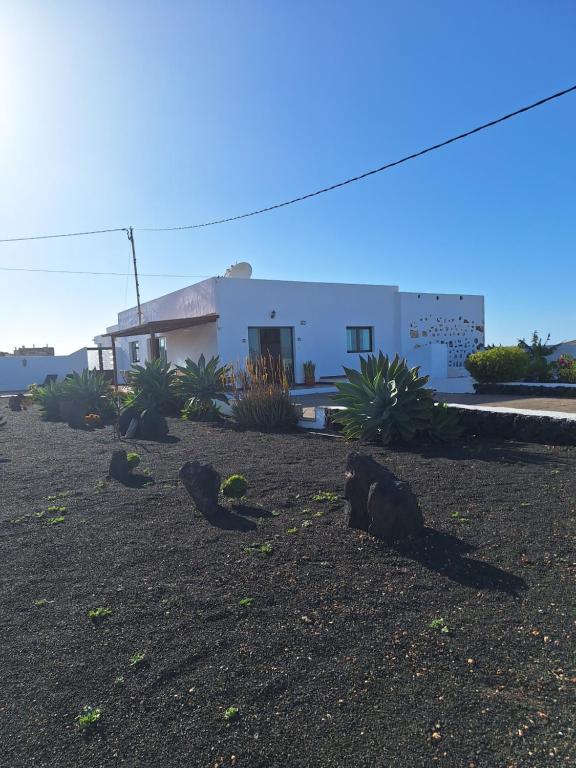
[241,269]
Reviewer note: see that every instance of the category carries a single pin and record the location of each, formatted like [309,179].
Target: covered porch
[173,340]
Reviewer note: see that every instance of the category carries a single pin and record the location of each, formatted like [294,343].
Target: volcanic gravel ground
[334,662]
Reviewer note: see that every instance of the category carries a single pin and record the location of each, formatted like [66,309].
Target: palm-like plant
[49,398]
[200,384]
[89,390]
[153,386]
[385,399]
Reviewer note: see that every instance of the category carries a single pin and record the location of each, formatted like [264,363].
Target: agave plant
[444,423]
[49,398]
[153,386]
[200,384]
[385,400]
[89,391]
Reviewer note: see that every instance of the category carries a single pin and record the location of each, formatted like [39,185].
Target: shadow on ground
[229,521]
[476,451]
[446,555]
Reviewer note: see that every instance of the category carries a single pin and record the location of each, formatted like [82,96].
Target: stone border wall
[504,426]
[528,390]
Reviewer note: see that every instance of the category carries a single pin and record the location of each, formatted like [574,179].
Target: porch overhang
[163,326]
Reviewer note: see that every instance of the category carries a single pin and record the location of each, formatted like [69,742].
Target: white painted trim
[517,411]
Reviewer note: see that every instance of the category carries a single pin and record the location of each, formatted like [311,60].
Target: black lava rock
[202,483]
[379,503]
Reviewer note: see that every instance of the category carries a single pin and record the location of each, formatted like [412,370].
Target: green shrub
[445,423]
[235,487]
[200,384]
[49,398]
[565,368]
[264,401]
[133,460]
[499,364]
[194,410]
[153,386]
[309,372]
[385,400]
[88,391]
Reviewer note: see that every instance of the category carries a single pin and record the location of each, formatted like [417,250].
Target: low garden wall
[516,426]
[502,425]
[529,389]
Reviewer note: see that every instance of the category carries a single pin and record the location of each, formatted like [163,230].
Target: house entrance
[273,344]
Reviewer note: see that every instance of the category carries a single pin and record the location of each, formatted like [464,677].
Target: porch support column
[114,368]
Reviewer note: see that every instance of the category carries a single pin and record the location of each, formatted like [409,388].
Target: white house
[328,323]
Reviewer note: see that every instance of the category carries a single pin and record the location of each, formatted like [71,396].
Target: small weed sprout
[40,602]
[263,549]
[119,681]
[459,517]
[55,509]
[246,602]
[231,714]
[326,497]
[89,717]
[137,658]
[234,487]
[291,530]
[275,513]
[439,625]
[55,520]
[58,495]
[98,614]
[306,523]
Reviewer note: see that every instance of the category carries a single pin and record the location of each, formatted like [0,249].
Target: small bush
[196,410]
[49,398]
[133,460]
[566,369]
[235,487]
[264,401]
[384,400]
[499,364]
[200,384]
[88,718]
[153,386]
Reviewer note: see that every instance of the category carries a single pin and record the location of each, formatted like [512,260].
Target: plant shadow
[446,555]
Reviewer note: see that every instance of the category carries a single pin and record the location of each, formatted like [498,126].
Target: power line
[367,173]
[309,195]
[66,234]
[82,272]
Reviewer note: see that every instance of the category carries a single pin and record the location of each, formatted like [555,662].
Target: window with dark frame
[359,338]
[134,352]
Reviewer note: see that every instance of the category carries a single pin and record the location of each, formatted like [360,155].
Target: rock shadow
[228,521]
[446,555]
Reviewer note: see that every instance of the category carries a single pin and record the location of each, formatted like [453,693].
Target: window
[359,339]
[134,352]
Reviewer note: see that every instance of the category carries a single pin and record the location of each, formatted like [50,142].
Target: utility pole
[130,234]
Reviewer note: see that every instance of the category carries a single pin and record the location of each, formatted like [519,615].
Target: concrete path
[556,404]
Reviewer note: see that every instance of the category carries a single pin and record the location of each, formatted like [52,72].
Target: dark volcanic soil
[334,663]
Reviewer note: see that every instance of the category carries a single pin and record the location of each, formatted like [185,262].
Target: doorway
[273,343]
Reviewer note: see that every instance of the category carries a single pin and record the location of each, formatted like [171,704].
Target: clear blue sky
[153,113]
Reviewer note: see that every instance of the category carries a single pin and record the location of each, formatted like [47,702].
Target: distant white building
[328,323]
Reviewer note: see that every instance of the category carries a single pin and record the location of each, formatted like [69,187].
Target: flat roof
[163,326]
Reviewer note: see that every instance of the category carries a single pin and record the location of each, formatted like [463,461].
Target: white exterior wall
[192,342]
[17,373]
[435,331]
[454,321]
[192,301]
[318,313]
